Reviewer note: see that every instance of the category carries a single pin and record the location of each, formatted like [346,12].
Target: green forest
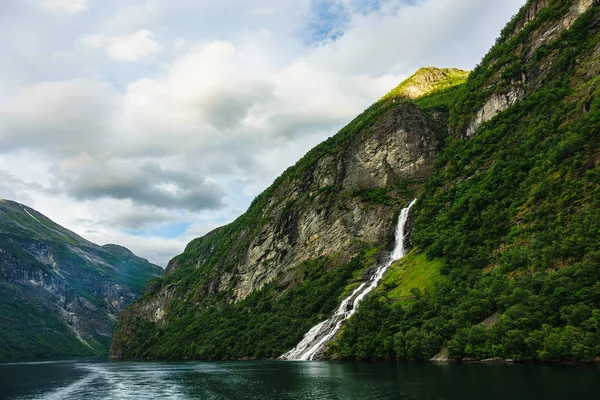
[514,213]
[263,325]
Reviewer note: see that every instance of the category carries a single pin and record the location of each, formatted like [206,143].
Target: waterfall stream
[313,343]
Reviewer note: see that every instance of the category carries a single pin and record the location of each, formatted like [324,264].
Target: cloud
[148,184]
[134,47]
[67,6]
[13,188]
[129,48]
[208,85]
[209,103]
[59,117]
[140,218]
[309,96]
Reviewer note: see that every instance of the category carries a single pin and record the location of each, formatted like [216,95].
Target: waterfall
[313,343]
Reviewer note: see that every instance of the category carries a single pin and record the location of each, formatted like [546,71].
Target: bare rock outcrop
[509,90]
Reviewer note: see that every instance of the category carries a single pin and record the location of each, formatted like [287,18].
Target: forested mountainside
[254,287]
[59,293]
[505,235]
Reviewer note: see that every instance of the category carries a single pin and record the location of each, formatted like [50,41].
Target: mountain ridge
[60,292]
[495,159]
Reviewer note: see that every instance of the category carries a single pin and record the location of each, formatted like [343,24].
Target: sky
[148,123]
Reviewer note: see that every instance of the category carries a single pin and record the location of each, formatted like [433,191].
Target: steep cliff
[60,294]
[507,230]
[524,58]
[505,258]
[326,211]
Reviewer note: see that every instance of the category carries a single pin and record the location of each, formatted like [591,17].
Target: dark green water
[295,380]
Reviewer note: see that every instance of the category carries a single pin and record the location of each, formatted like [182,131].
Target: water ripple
[293,380]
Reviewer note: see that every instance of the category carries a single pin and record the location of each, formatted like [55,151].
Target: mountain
[504,237]
[59,293]
[302,244]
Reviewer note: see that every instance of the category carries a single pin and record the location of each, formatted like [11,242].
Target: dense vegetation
[214,328]
[263,325]
[31,331]
[514,213]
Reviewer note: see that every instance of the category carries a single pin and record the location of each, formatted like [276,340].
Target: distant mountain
[59,293]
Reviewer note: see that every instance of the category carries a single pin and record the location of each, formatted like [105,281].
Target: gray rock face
[342,197]
[78,287]
[327,217]
[401,146]
[511,90]
[495,104]
[550,32]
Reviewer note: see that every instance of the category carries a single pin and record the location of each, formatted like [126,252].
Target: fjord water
[313,343]
[68,380]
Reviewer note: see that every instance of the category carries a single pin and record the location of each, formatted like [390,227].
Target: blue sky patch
[328,19]
[169,231]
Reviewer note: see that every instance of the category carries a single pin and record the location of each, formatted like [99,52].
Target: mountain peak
[428,80]
[117,249]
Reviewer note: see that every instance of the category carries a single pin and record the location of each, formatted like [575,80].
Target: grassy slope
[30,330]
[265,324]
[514,215]
[410,276]
[508,225]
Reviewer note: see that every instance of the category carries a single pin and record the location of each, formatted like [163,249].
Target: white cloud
[67,6]
[58,117]
[197,103]
[134,47]
[119,151]
[129,48]
[97,41]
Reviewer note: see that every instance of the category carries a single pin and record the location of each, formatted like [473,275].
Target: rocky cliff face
[511,76]
[60,293]
[400,147]
[344,195]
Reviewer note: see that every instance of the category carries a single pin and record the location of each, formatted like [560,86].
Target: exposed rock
[333,203]
[507,91]
[578,8]
[490,321]
[442,356]
[553,29]
[317,212]
[496,360]
[400,146]
[156,308]
[495,104]
[531,13]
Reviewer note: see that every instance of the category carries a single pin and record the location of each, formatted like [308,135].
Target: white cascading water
[315,339]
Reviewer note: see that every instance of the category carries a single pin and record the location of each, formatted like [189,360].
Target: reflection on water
[92,380]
